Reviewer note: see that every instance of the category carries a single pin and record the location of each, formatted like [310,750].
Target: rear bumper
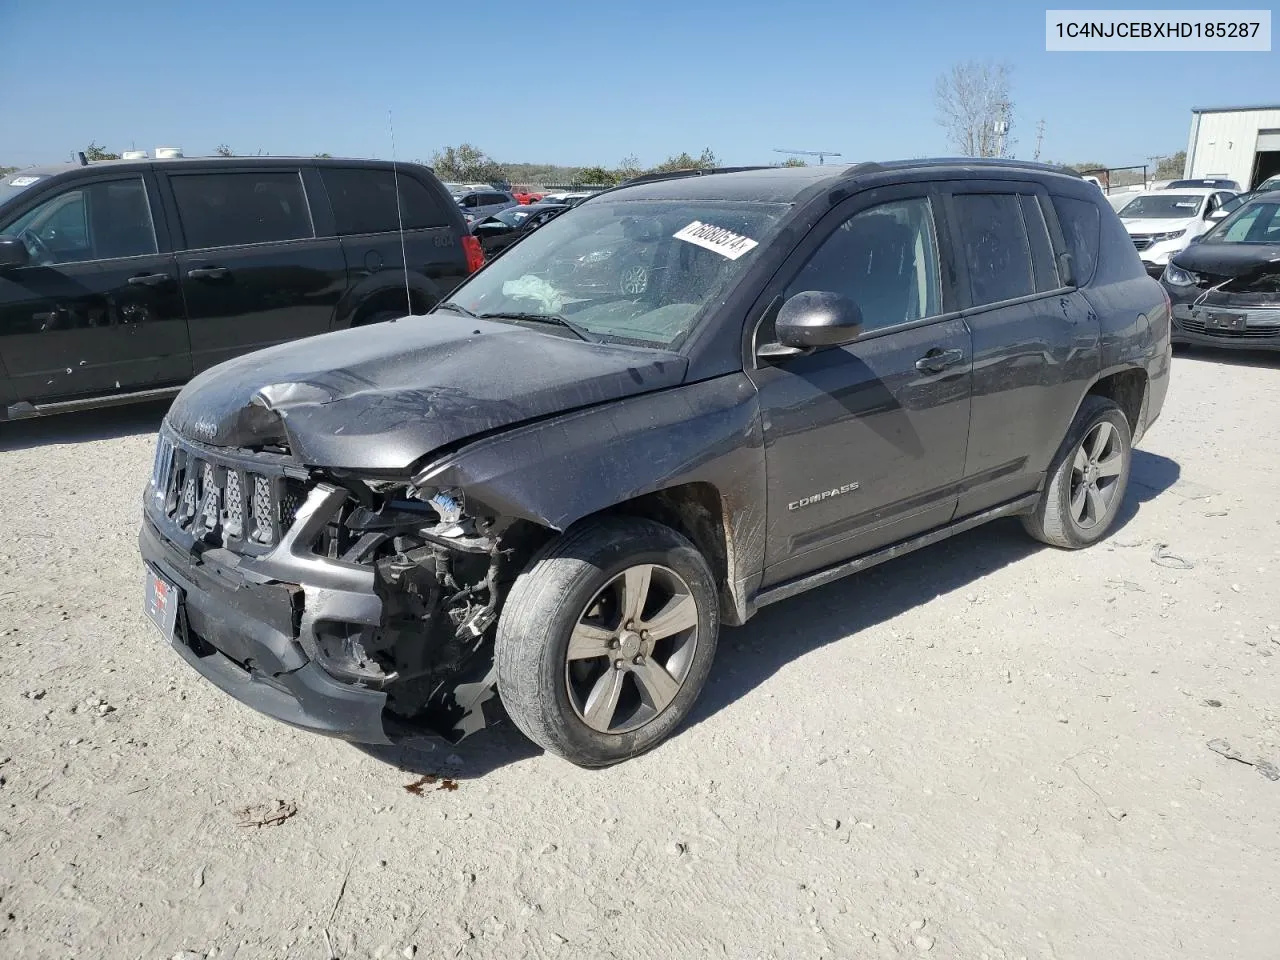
[246,638]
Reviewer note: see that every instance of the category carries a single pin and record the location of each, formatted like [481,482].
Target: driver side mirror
[817,318]
[13,253]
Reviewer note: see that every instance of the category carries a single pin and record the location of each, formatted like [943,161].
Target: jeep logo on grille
[204,430]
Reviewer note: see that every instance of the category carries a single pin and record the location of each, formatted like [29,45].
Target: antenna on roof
[404,256]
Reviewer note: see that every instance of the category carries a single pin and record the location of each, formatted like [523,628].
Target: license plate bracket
[1217,320]
[161,600]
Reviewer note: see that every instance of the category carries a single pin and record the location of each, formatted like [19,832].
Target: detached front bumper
[244,636]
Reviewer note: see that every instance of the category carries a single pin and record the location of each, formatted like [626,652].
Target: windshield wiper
[455,307]
[555,318]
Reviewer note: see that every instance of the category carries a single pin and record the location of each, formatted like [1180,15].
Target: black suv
[121,280]
[560,497]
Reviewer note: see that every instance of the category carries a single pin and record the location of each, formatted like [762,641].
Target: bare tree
[975,108]
[223,150]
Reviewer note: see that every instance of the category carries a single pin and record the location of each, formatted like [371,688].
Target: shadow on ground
[749,655]
[84,426]
[1237,358]
[847,606]
[480,754]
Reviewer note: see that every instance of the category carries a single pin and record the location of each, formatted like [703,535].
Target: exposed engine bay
[440,576]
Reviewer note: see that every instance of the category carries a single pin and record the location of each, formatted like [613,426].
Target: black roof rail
[688,172]
[987,162]
[676,175]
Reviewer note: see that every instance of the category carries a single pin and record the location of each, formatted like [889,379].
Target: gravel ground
[987,749]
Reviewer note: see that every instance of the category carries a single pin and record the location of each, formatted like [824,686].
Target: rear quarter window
[1081,226]
[364,201]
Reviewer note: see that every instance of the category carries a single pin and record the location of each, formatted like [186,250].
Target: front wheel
[606,640]
[1087,479]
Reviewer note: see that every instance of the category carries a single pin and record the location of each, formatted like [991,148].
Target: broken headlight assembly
[1178,277]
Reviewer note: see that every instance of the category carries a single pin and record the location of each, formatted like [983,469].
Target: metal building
[1239,143]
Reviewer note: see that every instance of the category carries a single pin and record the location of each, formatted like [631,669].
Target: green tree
[222,150]
[597,175]
[322,156]
[629,167]
[682,161]
[794,162]
[95,151]
[5,171]
[1171,167]
[466,163]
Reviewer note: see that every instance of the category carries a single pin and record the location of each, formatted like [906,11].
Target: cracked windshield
[624,271]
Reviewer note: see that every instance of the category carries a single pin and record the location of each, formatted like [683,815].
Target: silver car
[478,204]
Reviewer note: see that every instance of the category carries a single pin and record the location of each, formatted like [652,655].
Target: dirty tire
[542,610]
[1054,521]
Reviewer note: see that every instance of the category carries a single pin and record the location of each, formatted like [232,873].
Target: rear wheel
[606,640]
[1087,480]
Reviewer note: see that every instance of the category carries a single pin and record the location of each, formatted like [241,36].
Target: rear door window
[1081,225]
[364,201]
[995,246]
[233,209]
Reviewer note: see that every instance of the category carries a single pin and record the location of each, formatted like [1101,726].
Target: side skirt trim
[790,588]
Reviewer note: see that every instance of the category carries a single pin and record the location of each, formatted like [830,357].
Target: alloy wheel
[1095,475]
[631,649]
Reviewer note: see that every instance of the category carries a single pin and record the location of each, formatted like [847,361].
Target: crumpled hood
[1156,225]
[382,397]
[1229,259]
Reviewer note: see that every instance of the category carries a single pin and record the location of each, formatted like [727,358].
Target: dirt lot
[987,749]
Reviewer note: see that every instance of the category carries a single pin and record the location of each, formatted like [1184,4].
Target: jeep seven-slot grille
[223,502]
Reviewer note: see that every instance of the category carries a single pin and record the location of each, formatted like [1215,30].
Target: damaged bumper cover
[361,633]
[1235,310]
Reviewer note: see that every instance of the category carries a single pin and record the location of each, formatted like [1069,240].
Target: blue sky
[577,83]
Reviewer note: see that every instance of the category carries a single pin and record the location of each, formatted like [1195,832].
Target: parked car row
[120,280]
[1163,222]
[507,226]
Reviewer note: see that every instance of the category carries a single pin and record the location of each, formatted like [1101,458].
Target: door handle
[207,273]
[149,280]
[936,360]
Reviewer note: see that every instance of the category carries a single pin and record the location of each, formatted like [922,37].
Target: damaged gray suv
[687,398]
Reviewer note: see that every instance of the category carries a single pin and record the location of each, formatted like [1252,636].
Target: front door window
[99,221]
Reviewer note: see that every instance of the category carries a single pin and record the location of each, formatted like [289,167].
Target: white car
[1164,222]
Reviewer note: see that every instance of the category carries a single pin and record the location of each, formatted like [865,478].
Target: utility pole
[1155,165]
[1039,139]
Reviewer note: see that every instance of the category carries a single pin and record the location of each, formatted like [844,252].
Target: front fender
[556,472]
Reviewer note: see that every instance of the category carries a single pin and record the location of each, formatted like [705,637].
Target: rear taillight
[475,255]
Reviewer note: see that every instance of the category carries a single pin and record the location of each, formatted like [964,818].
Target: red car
[525,197]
